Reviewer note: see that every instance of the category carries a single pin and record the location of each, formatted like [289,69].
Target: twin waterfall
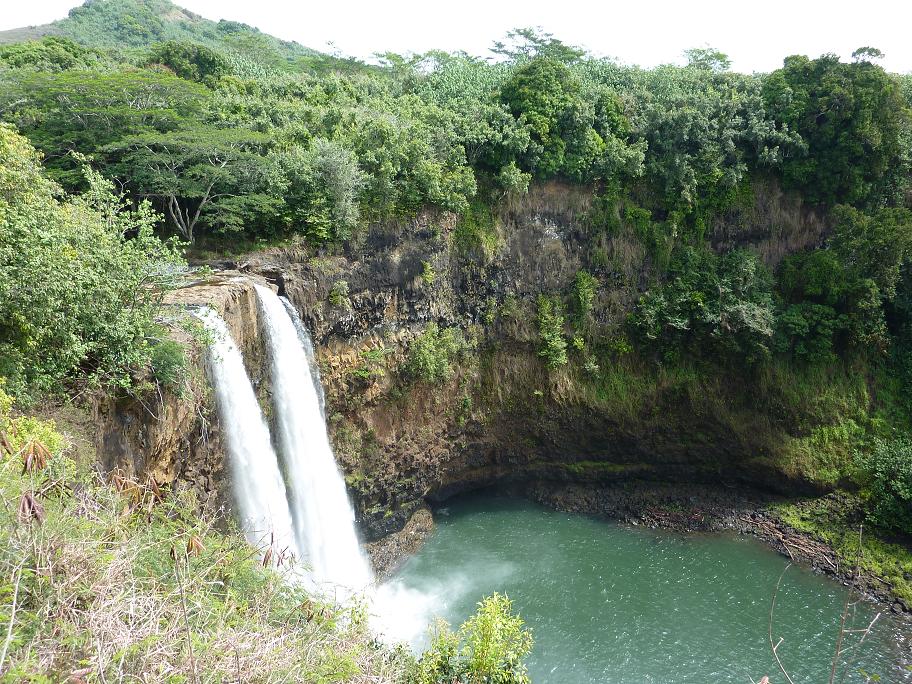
[289,491]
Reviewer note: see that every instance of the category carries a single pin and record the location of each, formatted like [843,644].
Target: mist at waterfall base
[608,603]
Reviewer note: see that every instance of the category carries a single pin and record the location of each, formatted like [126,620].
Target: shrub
[169,364]
[432,353]
[583,295]
[553,346]
[338,294]
[494,645]
[712,304]
[428,275]
[888,467]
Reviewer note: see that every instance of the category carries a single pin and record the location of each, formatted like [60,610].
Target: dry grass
[122,582]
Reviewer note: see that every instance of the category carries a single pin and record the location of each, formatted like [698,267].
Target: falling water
[257,481]
[307,343]
[323,516]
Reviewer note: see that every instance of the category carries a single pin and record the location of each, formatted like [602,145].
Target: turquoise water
[609,603]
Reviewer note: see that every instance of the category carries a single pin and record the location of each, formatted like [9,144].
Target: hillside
[134,24]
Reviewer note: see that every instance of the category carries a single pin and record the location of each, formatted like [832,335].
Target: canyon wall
[501,415]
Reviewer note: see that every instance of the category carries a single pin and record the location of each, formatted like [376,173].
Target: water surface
[609,603]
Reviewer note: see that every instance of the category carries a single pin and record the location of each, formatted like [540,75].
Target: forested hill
[127,25]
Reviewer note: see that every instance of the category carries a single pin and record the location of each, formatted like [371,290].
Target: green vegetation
[853,124]
[710,305]
[582,296]
[836,523]
[490,647]
[432,354]
[81,279]
[889,467]
[553,345]
[338,294]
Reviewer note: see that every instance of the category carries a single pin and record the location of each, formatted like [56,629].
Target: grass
[122,581]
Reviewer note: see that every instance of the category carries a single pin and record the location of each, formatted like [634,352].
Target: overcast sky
[756,34]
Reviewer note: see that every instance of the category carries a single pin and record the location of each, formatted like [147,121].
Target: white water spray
[323,516]
[257,481]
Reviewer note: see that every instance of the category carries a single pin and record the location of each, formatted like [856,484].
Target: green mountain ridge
[138,24]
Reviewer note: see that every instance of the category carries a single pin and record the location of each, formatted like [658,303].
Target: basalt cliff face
[501,416]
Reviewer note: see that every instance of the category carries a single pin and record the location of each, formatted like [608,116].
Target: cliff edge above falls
[173,436]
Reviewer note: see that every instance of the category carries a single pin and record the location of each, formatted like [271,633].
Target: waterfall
[307,343]
[323,517]
[257,480]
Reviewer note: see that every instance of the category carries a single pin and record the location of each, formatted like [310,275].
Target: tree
[319,186]
[888,470]
[707,58]
[198,173]
[51,53]
[545,95]
[827,308]
[530,43]
[853,121]
[81,111]
[873,245]
[190,61]
[80,279]
[553,345]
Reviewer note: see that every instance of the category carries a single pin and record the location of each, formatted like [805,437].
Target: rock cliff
[501,416]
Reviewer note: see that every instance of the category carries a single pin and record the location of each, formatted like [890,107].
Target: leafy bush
[51,53]
[190,61]
[494,643]
[712,304]
[827,307]
[338,294]
[583,295]
[553,345]
[169,364]
[428,275]
[81,280]
[432,353]
[888,467]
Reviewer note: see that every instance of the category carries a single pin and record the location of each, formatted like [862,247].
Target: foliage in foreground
[108,582]
[81,279]
[124,581]
[489,648]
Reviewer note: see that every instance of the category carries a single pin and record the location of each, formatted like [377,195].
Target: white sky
[756,34]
